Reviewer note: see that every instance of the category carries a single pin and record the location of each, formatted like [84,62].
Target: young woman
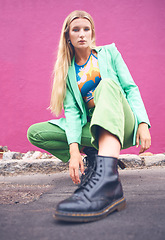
[104,113]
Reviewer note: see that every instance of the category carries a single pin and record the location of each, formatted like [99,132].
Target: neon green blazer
[111,65]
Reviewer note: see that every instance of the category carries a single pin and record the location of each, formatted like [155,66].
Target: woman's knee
[46,134]
[32,133]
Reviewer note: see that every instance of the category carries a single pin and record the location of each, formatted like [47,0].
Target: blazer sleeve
[130,88]
[73,126]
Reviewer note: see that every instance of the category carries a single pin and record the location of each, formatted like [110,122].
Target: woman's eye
[75,30]
[86,29]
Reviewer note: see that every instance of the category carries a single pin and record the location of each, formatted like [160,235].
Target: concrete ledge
[131,160]
[53,165]
[14,167]
[154,160]
[134,161]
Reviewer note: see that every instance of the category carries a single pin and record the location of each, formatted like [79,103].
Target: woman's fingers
[74,174]
[143,136]
[76,162]
[145,144]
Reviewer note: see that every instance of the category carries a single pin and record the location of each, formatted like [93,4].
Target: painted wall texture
[29,35]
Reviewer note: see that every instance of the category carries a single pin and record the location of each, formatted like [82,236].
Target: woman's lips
[82,41]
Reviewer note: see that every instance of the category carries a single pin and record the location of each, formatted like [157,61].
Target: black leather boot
[90,163]
[101,195]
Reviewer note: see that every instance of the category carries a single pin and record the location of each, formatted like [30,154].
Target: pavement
[27,204]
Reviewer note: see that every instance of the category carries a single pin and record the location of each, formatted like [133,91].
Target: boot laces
[91,181]
[88,170]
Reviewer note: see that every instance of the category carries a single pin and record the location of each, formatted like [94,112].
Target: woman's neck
[82,55]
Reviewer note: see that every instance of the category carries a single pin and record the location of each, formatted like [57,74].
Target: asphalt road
[27,204]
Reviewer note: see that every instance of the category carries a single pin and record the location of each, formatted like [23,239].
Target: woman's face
[80,33]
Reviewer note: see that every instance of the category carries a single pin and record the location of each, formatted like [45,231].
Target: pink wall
[29,34]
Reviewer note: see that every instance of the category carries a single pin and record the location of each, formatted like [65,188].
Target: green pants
[112,112]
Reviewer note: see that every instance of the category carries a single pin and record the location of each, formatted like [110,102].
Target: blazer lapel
[74,85]
[102,61]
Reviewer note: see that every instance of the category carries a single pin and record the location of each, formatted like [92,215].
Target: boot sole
[89,217]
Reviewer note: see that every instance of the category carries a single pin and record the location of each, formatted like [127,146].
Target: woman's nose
[82,34]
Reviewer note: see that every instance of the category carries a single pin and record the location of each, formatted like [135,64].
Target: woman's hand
[144,136]
[76,162]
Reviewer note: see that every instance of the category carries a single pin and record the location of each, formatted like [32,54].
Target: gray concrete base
[53,165]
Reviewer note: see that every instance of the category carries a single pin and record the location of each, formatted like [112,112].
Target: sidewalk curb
[134,161]
[26,166]
[46,166]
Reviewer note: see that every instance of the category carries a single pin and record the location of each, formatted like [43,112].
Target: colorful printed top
[88,77]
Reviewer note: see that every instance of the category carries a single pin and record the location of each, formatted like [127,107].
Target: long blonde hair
[64,57]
